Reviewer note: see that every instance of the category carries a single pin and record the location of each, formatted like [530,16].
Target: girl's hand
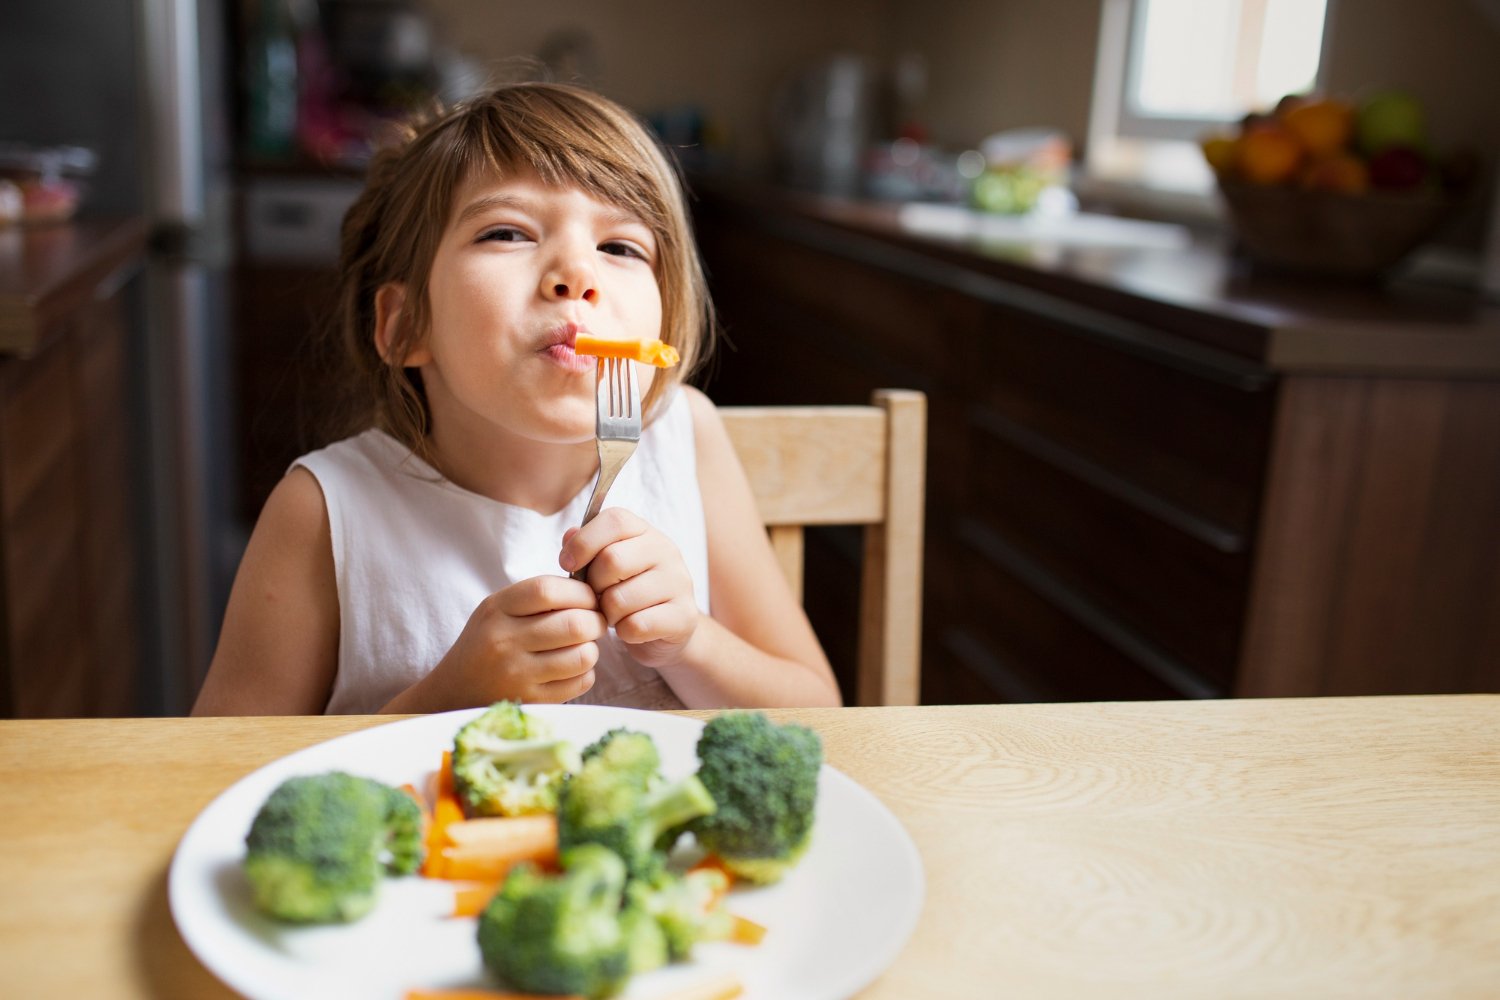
[533,641]
[644,587]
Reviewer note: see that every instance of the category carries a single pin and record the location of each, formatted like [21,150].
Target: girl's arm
[278,649]
[758,649]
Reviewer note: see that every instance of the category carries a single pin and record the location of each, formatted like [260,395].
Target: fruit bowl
[1331,232]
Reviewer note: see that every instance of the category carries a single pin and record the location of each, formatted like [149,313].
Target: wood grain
[1379,564]
[1250,848]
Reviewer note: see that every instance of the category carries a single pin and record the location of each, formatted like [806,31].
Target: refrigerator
[145,84]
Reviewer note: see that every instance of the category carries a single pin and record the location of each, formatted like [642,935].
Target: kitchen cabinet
[70,558]
[1152,472]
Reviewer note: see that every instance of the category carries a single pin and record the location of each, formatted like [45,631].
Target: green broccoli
[568,933]
[508,763]
[688,908]
[764,778]
[319,845]
[619,800]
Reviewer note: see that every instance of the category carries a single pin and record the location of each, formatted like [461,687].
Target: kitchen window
[1170,71]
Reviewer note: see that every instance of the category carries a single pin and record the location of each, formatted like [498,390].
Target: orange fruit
[1269,154]
[1341,172]
[1221,152]
[1323,127]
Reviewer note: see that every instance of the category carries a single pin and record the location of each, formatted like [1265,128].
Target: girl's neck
[523,473]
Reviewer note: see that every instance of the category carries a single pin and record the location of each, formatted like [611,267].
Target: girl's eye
[618,248]
[505,234]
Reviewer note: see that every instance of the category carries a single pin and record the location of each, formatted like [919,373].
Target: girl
[421,565]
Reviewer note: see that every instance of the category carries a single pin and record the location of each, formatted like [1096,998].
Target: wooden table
[1289,848]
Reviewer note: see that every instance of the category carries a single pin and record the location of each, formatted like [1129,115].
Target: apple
[1394,118]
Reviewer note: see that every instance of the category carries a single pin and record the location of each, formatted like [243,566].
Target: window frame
[1117,70]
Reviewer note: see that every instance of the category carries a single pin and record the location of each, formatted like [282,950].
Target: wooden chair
[812,465]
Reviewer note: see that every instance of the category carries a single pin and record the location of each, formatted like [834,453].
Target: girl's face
[522,268]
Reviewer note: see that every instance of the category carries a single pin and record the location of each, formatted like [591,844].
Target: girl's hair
[566,135]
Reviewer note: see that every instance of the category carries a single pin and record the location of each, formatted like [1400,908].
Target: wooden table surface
[1308,848]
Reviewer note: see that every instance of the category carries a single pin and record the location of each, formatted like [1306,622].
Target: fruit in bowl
[1329,186]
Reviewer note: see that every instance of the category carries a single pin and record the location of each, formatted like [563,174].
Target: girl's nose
[572,276]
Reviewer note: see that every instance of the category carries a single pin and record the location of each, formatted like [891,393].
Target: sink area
[1072,229]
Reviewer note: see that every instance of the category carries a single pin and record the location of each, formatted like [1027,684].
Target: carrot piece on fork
[647,352]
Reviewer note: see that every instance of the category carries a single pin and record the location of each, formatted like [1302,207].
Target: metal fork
[617,428]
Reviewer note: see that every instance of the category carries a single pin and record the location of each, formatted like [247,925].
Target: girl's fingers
[560,665]
[659,621]
[541,594]
[561,629]
[611,526]
[557,692]
[624,560]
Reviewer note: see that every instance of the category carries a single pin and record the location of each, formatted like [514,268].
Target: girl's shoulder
[370,453]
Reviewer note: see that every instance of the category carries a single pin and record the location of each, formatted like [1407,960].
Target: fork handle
[609,468]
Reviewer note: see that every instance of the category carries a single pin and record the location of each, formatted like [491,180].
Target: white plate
[835,922]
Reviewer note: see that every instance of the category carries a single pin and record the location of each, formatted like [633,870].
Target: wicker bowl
[1330,233]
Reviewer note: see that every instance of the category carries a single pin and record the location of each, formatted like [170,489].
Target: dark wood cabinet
[1129,498]
[71,560]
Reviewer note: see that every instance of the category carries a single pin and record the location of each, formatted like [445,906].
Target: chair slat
[861,465]
[786,541]
[812,464]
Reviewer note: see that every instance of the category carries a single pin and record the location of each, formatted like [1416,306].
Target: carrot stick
[743,930]
[471,900]
[523,835]
[465,864]
[648,352]
[486,849]
[445,812]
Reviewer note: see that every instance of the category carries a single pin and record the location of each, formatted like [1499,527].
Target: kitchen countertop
[47,270]
[1197,290]
[1315,847]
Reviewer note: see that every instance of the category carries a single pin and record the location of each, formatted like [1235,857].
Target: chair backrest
[814,465]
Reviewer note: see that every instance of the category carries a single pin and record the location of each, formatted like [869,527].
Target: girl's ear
[390,315]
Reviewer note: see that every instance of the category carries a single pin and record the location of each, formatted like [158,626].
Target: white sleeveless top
[414,555]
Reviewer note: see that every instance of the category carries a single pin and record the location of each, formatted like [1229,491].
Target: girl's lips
[564,355]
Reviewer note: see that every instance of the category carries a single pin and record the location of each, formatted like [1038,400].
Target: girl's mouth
[564,355]
[559,349]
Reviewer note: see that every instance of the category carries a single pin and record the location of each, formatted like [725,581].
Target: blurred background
[236,133]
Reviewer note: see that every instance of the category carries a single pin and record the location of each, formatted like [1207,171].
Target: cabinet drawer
[1175,591]
[1014,645]
[1187,445]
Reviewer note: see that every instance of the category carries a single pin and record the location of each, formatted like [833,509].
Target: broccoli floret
[617,799]
[688,908]
[508,763]
[764,778]
[646,941]
[319,845]
[564,933]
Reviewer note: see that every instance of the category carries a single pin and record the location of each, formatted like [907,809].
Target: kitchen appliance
[822,124]
[144,84]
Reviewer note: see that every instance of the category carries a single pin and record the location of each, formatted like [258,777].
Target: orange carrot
[445,812]
[648,352]
[745,931]
[471,900]
[486,849]
[531,836]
